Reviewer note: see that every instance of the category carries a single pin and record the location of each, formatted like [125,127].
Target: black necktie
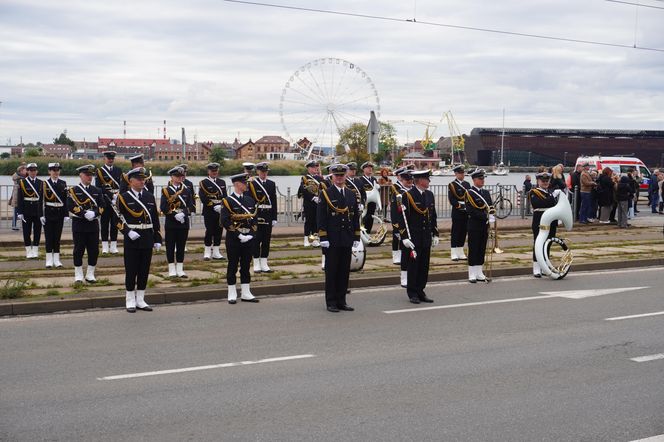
[139,195]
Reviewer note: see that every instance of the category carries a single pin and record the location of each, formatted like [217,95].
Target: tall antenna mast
[124,129]
[164,129]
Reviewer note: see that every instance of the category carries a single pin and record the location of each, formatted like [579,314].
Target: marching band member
[418,226]
[480,211]
[264,193]
[541,198]
[311,180]
[238,216]
[137,161]
[140,226]
[211,191]
[85,204]
[189,185]
[406,183]
[175,204]
[30,210]
[368,182]
[339,231]
[353,183]
[456,194]
[108,180]
[396,188]
[249,169]
[55,213]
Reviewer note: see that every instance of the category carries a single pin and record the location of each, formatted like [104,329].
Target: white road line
[468,304]
[203,367]
[580,294]
[659,438]
[643,315]
[648,358]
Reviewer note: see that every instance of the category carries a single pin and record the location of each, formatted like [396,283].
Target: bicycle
[502,205]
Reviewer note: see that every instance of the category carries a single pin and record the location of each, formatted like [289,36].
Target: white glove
[21,218]
[89,215]
[244,238]
[274,223]
[133,235]
[360,207]
[556,193]
[356,244]
[408,243]
[325,244]
[179,217]
[315,199]
[435,241]
[115,199]
[492,219]
[157,246]
[42,220]
[217,208]
[67,219]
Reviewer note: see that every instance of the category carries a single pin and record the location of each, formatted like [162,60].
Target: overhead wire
[636,4]
[445,25]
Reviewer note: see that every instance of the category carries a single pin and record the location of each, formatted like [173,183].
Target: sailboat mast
[502,139]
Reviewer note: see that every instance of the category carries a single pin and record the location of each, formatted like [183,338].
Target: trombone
[493,248]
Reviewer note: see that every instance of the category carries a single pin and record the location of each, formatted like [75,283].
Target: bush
[14,288]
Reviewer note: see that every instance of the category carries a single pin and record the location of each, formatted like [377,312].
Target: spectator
[605,194]
[653,191]
[594,197]
[634,184]
[21,172]
[527,185]
[558,179]
[587,185]
[624,193]
[660,179]
[575,185]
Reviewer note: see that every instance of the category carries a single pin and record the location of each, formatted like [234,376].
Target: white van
[619,165]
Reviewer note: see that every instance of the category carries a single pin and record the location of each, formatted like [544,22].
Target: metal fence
[289,206]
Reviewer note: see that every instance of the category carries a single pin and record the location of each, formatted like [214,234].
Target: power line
[445,25]
[636,4]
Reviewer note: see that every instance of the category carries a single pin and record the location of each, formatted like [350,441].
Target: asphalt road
[545,368]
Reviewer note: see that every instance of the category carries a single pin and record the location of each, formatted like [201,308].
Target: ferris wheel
[323,97]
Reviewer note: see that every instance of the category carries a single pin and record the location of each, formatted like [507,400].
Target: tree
[63,139]
[4,155]
[32,152]
[217,155]
[355,137]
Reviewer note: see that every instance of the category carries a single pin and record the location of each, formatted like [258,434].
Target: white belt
[541,210]
[244,231]
[115,190]
[28,198]
[265,206]
[215,201]
[54,204]
[139,226]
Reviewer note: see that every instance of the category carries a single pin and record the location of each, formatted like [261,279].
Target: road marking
[659,438]
[648,358]
[568,294]
[643,315]
[203,367]
[580,294]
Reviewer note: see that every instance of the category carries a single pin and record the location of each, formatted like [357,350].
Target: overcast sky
[219,68]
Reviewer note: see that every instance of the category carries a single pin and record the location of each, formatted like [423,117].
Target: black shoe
[145,309]
[347,308]
[472,281]
[348,291]
[249,300]
[425,299]
[455,259]
[636,211]
[232,301]
[414,300]
[332,309]
[131,310]
[537,275]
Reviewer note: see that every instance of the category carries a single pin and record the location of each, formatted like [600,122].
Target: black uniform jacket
[264,193]
[238,216]
[79,202]
[55,200]
[456,194]
[338,217]
[109,181]
[190,186]
[173,201]
[540,200]
[304,193]
[395,210]
[478,207]
[137,219]
[357,189]
[212,192]
[421,216]
[30,197]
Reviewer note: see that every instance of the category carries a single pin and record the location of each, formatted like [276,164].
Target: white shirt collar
[340,189]
[236,195]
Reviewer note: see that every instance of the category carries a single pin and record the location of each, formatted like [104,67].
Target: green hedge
[196,168]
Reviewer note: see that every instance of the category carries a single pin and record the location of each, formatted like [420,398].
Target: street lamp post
[564,159]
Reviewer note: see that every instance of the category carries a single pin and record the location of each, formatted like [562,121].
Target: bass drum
[358,257]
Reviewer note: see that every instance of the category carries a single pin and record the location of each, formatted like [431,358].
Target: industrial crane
[457,142]
[427,141]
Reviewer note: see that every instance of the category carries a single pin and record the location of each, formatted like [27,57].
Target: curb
[285,288]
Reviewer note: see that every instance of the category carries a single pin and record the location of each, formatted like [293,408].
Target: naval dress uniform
[395,215]
[108,179]
[368,183]
[212,191]
[30,210]
[264,193]
[419,210]
[55,212]
[456,194]
[175,204]
[540,200]
[136,162]
[238,216]
[85,205]
[338,228]
[142,233]
[310,201]
[480,211]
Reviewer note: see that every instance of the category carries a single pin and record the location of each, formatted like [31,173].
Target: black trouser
[213,229]
[459,229]
[310,226]
[176,239]
[368,218]
[86,241]
[477,245]
[552,233]
[31,227]
[52,234]
[238,254]
[337,272]
[418,271]
[405,256]
[261,240]
[137,268]
[109,222]
[396,242]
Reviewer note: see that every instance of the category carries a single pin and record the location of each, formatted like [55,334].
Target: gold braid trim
[412,203]
[471,200]
[252,188]
[173,201]
[75,198]
[538,193]
[132,212]
[46,191]
[238,216]
[332,206]
[103,180]
[209,194]
[454,192]
[27,192]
